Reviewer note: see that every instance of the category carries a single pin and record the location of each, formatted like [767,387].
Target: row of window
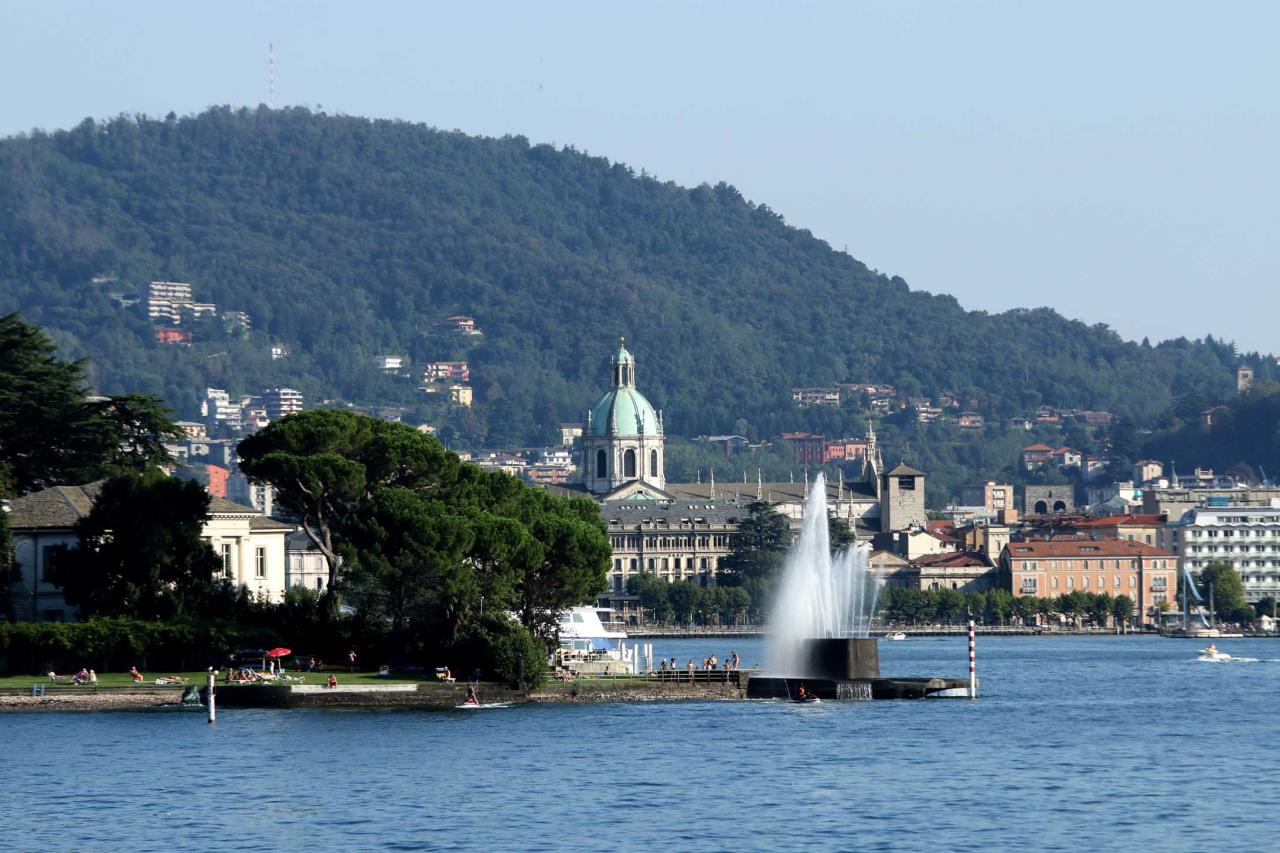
[1238,564]
[1233,549]
[1213,534]
[259,562]
[1033,565]
[624,543]
[1031,585]
[664,563]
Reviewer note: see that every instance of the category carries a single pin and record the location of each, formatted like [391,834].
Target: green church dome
[624,412]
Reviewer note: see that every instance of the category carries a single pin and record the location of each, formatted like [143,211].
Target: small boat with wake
[1210,654]
[895,635]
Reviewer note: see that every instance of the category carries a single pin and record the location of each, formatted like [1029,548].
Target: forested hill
[345,238]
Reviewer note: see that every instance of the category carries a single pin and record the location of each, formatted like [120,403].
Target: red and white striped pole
[973,675]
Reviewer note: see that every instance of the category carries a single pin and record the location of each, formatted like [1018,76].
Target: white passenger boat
[895,635]
[589,644]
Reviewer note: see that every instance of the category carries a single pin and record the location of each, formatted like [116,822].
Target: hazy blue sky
[1116,161]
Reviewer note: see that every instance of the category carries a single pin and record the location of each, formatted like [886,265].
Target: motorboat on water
[895,635]
[592,644]
[1211,653]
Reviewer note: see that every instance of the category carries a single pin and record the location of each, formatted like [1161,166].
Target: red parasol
[278,653]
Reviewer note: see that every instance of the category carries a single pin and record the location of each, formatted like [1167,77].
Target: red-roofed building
[1065,564]
[967,571]
[1130,528]
[1067,457]
[1036,455]
[165,335]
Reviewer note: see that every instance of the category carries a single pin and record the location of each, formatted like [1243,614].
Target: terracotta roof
[954,559]
[1065,450]
[1083,548]
[1040,447]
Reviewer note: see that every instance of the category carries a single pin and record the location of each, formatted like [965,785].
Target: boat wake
[483,706]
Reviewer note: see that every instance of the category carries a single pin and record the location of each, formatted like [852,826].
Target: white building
[252,548]
[281,402]
[218,406]
[388,362]
[306,566]
[1247,538]
[166,301]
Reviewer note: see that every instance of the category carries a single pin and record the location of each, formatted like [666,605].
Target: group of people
[87,677]
[711,663]
[83,677]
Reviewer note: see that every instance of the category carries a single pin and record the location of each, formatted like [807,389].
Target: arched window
[602,464]
[1059,506]
[629,463]
[653,463]
[1041,507]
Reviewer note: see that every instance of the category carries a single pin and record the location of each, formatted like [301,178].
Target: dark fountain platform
[849,669]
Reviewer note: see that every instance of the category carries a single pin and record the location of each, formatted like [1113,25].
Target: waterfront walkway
[652,631]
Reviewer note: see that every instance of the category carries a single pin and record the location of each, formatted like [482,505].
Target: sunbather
[170,679]
[135,676]
[55,678]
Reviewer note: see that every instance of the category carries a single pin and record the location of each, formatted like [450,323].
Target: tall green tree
[757,554]
[140,551]
[324,463]
[1228,591]
[409,564]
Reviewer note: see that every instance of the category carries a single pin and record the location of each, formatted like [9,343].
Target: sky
[1115,161]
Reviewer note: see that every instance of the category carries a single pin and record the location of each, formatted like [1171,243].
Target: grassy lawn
[121,679]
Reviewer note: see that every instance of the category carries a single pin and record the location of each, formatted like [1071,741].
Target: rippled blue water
[1077,743]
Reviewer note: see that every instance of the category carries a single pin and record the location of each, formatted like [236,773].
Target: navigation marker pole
[973,677]
[212,702]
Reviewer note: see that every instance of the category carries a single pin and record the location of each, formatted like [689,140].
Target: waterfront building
[1247,538]
[250,546]
[1048,568]
[966,571]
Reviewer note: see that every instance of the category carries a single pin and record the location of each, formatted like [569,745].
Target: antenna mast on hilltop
[271,75]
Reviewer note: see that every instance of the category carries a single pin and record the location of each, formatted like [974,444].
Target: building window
[319,584]
[1084,582]
[653,463]
[48,556]
[260,562]
[1053,582]
[602,464]
[226,561]
[629,463]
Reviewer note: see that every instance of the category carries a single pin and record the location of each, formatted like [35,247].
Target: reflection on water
[1078,743]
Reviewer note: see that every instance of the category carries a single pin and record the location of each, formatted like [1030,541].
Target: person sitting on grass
[55,678]
[135,677]
[384,671]
[93,678]
[81,677]
[332,682]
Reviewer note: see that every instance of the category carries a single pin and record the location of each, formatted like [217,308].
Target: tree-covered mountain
[345,238]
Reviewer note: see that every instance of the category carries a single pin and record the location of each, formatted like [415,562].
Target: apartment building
[1048,568]
[1247,538]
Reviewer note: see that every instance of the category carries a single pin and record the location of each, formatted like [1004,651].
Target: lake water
[1077,743]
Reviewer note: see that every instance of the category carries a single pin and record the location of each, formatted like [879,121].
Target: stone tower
[902,499]
[622,440]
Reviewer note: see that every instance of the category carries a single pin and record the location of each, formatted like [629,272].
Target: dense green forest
[345,238]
